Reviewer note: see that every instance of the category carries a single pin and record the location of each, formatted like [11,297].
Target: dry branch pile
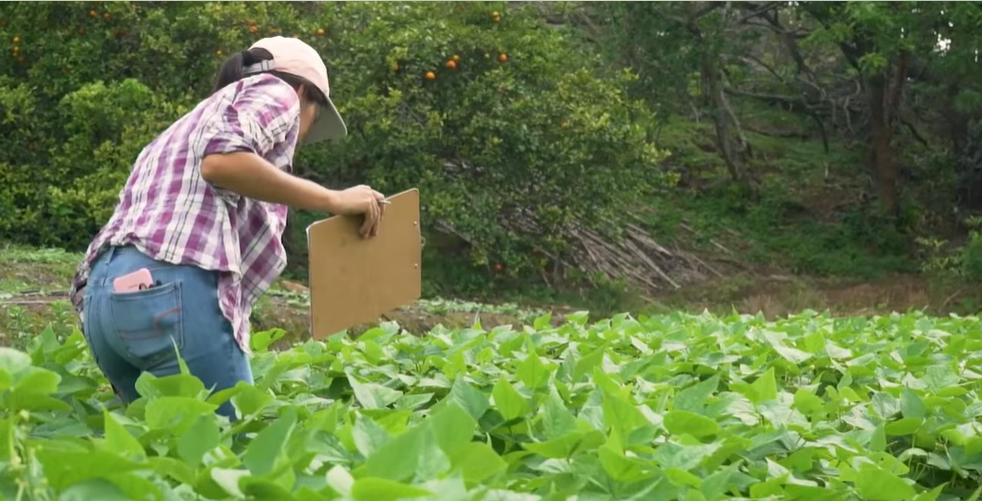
[635,256]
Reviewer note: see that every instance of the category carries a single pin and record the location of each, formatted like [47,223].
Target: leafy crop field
[672,407]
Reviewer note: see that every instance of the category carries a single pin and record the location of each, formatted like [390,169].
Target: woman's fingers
[378,223]
[370,217]
[372,212]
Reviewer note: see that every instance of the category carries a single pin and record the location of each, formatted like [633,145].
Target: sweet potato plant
[678,407]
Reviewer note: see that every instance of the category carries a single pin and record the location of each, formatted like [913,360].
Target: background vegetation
[563,149]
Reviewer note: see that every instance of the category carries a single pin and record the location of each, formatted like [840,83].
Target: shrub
[498,120]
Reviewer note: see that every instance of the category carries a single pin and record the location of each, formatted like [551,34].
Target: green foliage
[807,220]
[670,407]
[519,130]
[959,261]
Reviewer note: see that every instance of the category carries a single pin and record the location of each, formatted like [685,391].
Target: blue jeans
[133,332]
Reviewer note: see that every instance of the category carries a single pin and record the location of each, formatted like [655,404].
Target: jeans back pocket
[148,323]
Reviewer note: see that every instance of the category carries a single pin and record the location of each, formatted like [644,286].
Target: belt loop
[110,253]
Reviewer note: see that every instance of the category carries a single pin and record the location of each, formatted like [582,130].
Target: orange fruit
[495,14]
[395,67]
[503,57]
[455,58]
[253,29]
[93,13]
[320,32]
[20,59]
[430,76]
[16,39]
[16,49]
[106,15]
[497,267]
[451,65]
[218,52]
[81,31]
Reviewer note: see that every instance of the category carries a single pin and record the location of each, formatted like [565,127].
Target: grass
[671,407]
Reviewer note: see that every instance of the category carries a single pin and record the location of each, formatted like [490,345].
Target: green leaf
[587,364]
[904,426]
[622,418]
[680,422]
[12,363]
[876,484]
[556,418]
[911,405]
[885,406]
[532,372]
[372,395]
[249,399]
[764,388]
[37,380]
[176,414]
[694,398]
[267,447]
[262,488]
[807,402]
[65,468]
[567,445]
[543,321]
[509,402]
[399,458]
[119,441]
[715,485]
[228,480]
[95,489]
[469,398]
[368,436]
[175,385]
[478,462]
[621,467]
[379,489]
[683,457]
[453,427]
[202,437]
[173,468]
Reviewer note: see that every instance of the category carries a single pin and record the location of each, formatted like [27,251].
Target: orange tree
[507,130]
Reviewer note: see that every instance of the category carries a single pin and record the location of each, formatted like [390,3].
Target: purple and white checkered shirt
[170,213]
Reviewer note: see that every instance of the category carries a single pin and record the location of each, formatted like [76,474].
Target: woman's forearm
[252,176]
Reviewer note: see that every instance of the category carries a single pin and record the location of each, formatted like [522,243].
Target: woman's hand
[360,199]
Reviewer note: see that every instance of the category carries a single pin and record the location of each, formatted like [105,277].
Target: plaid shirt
[170,213]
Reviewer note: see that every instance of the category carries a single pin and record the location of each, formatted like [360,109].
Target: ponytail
[233,70]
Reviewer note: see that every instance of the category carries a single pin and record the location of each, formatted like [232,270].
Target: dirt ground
[32,297]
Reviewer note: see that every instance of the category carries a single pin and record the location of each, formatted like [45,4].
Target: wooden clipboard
[354,280]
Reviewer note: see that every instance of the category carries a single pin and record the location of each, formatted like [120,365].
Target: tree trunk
[881,162]
[884,105]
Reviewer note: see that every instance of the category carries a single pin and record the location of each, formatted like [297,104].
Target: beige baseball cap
[293,56]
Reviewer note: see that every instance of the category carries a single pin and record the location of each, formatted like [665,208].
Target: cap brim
[329,125]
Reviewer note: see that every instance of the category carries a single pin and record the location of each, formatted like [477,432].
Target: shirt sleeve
[262,113]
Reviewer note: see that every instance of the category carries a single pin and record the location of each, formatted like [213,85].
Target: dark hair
[233,67]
